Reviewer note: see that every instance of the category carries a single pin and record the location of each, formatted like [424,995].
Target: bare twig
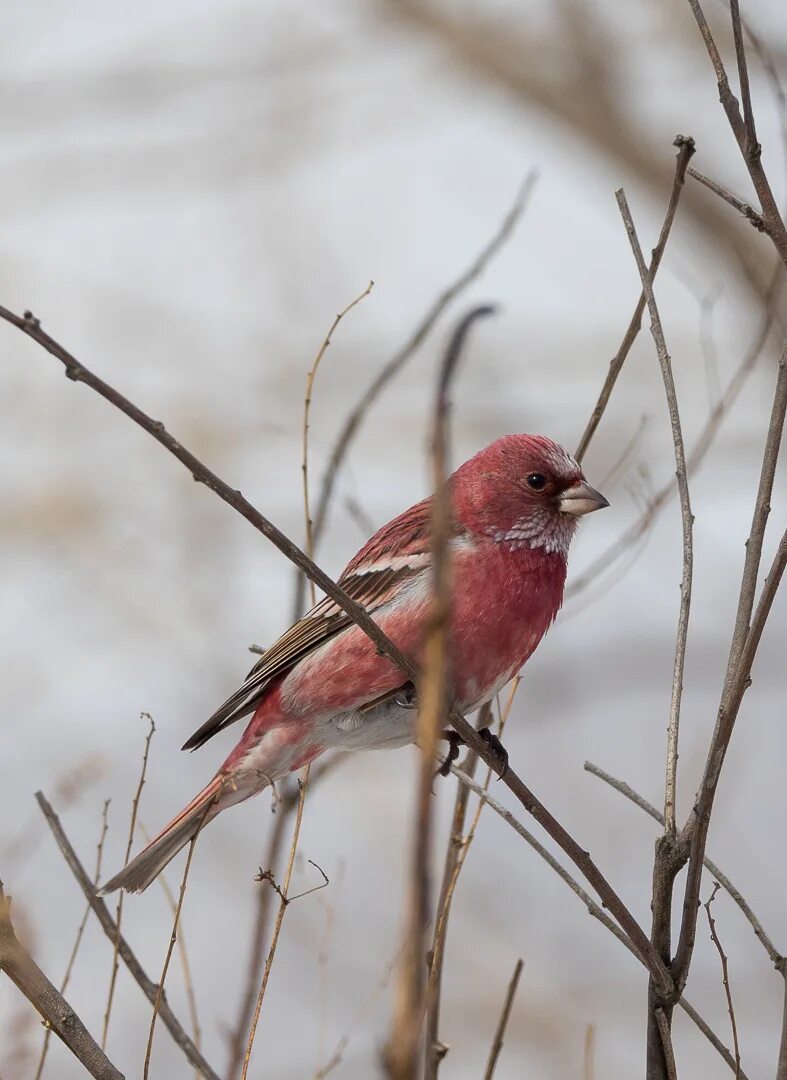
[666,1044]
[137,972]
[578,855]
[302,784]
[121,893]
[686,148]
[743,130]
[171,946]
[686,516]
[502,1024]
[781,1069]
[80,932]
[55,1011]
[306,411]
[725,976]
[753,148]
[734,200]
[433,697]
[589,1069]
[745,640]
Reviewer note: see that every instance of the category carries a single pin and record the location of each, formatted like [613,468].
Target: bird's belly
[386,726]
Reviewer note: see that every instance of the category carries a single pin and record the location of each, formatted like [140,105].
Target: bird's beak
[581,499]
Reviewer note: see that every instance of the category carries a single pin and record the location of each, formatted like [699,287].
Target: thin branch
[137,972]
[502,1024]
[685,150]
[740,205]
[306,412]
[578,855]
[277,928]
[121,894]
[588,1071]
[753,148]
[686,517]
[750,151]
[666,1043]
[725,977]
[746,638]
[55,1011]
[171,947]
[781,1069]
[592,907]
[80,932]
[433,699]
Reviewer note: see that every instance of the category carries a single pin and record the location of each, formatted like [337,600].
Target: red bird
[324,686]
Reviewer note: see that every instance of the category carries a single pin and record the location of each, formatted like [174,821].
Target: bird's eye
[536,481]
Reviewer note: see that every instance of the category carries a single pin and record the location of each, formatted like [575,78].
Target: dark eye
[536,481]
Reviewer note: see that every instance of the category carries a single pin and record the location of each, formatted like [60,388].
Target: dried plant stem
[686,517]
[724,193]
[663,1025]
[686,148]
[433,691]
[119,909]
[589,1069]
[502,1024]
[307,401]
[170,948]
[283,902]
[29,325]
[80,932]
[55,1011]
[137,972]
[725,975]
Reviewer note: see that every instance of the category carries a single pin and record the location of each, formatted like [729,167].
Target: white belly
[385,727]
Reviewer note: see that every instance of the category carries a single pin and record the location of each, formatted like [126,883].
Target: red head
[524,491]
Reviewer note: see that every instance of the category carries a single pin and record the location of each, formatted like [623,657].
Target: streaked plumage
[323,685]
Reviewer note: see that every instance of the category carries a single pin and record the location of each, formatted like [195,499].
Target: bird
[323,685]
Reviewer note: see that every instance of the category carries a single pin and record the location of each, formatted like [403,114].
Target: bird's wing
[398,552]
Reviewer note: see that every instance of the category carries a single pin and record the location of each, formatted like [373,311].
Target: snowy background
[188,194]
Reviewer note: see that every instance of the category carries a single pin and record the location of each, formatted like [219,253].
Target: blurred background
[189,192]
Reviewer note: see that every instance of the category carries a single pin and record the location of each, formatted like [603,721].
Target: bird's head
[524,491]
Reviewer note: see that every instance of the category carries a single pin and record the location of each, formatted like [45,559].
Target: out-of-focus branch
[108,925]
[433,698]
[502,1024]
[686,148]
[55,1011]
[578,855]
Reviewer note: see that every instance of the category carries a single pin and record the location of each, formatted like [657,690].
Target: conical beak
[581,499]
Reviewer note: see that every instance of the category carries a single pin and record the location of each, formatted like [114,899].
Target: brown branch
[502,1024]
[592,907]
[171,946]
[588,1071]
[740,205]
[781,1068]
[666,863]
[433,699]
[578,855]
[80,932]
[685,150]
[750,150]
[137,972]
[121,894]
[745,640]
[725,977]
[753,148]
[306,411]
[55,1011]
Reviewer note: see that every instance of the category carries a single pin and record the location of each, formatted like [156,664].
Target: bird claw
[454,740]
[498,751]
[406,698]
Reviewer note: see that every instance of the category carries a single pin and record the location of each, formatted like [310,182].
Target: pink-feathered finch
[324,686]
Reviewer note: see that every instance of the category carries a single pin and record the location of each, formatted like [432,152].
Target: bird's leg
[454,740]
[498,751]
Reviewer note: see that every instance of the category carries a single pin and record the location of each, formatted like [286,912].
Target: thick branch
[55,1011]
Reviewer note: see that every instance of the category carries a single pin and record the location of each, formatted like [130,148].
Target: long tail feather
[145,867]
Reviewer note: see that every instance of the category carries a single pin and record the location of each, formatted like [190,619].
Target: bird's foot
[498,751]
[406,698]
[454,740]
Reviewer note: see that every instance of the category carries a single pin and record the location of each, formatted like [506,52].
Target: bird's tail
[145,867]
